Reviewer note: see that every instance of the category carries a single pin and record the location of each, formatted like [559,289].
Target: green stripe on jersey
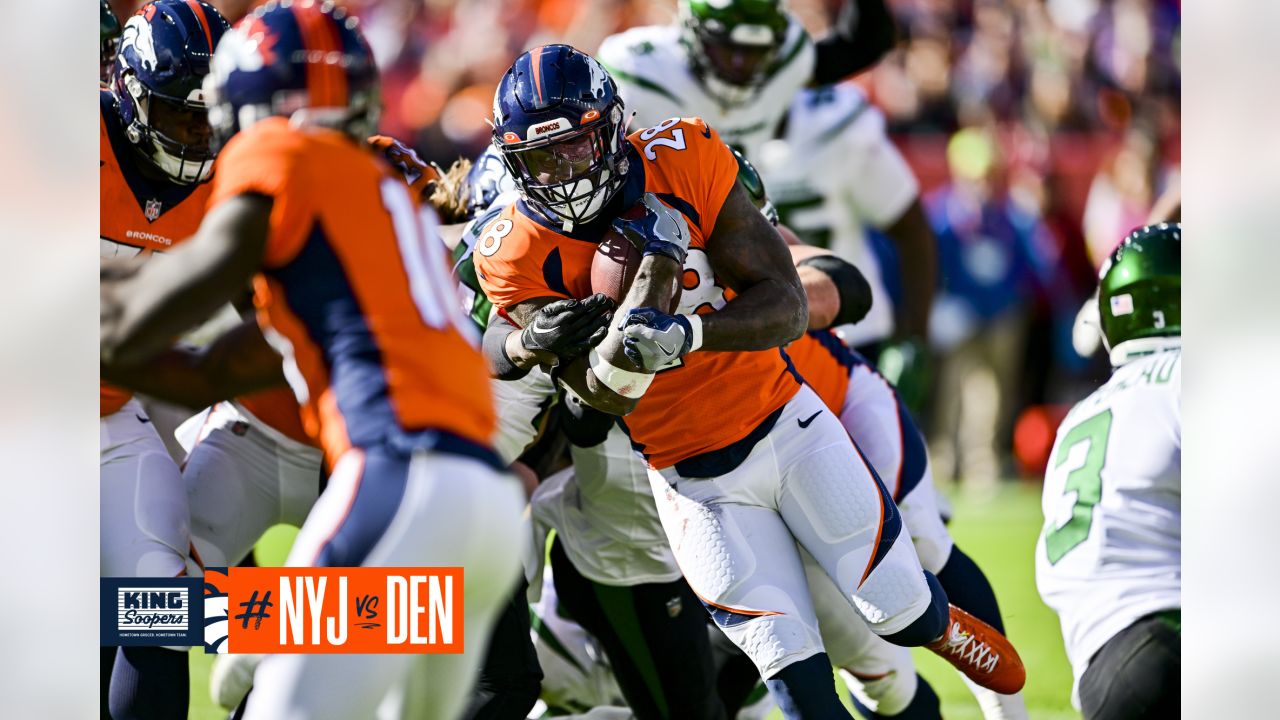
[644,83]
[620,609]
[844,122]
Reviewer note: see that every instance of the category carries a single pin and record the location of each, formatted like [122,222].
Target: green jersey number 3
[1085,481]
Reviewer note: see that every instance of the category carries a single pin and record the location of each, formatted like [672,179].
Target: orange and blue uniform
[139,213]
[351,294]
[694,414]
[829,367]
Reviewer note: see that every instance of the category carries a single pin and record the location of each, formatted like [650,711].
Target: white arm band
[626,383]
[695,324]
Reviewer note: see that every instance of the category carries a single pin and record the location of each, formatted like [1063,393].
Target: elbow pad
[851,286]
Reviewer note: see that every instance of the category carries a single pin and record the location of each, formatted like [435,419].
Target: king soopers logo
[150,611]
[152,608]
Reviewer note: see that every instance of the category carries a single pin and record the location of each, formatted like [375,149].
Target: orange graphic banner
[334,610]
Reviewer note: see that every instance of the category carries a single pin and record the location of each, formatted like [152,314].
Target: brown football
[614,267]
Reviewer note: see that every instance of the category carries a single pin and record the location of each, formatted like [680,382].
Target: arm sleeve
[494,347]
[270,164]
[861,35]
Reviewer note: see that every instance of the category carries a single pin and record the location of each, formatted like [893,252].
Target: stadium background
[1066,112]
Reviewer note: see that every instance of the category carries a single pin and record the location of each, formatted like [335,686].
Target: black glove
[569,328]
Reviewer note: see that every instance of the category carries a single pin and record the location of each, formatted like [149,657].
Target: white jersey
[1111,549]
[605,515]
[656,80]
[832,173]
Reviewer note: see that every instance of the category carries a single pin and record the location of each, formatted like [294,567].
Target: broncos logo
[216,617]
[137,35]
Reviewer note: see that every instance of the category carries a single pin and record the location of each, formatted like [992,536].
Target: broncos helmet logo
[137,35]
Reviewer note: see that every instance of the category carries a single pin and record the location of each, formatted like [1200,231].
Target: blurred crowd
[1042,131]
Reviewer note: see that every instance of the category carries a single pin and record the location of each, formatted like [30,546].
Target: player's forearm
[769,314]
[237,363]
[507,357]
[863,33]
[918,260]
[653,286]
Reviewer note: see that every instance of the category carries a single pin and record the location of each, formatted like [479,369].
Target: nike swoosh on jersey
[706,131]
[805,423]
[143,420]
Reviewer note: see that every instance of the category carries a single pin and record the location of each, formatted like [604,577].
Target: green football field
[999,533]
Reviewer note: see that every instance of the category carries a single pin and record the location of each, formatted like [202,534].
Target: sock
[736,682]
[931,623]
[924,705]
[149,683]
[968,589]
[106,660]
[807,690]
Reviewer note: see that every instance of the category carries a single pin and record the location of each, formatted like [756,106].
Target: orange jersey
[825,363]
[356,295]
[708,401]
[138,214]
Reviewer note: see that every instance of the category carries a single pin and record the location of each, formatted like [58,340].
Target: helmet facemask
[570,176]
[732,63]
[173,133]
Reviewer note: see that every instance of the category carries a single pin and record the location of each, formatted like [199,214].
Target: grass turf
[998,533]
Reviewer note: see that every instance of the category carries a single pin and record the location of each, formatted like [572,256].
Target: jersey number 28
[1085,480]
[651,141]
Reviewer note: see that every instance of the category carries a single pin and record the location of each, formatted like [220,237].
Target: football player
[738,63]
[350,294]
[155,157]
[615,568]
[732,437]
[741,66]
[1109,558]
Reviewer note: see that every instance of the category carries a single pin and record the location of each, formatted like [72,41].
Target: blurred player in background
[738,63]
[834,175]
[371,336]
[1109,559]
[741,66]
[156,154]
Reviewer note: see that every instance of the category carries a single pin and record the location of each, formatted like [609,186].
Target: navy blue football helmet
[164,55]
[303,60]
[558,123]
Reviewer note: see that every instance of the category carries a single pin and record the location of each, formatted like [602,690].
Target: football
[614,267]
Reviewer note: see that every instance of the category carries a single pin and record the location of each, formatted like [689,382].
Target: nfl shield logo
[153,210]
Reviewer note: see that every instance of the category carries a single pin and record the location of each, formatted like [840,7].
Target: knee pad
[772,641]
[885,694]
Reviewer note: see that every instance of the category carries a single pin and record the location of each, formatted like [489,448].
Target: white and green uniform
[832,173]
[1111,549]
[656,80]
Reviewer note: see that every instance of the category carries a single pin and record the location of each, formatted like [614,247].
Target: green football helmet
[751,181]
[108,39]
[733,44]
[1140,292]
